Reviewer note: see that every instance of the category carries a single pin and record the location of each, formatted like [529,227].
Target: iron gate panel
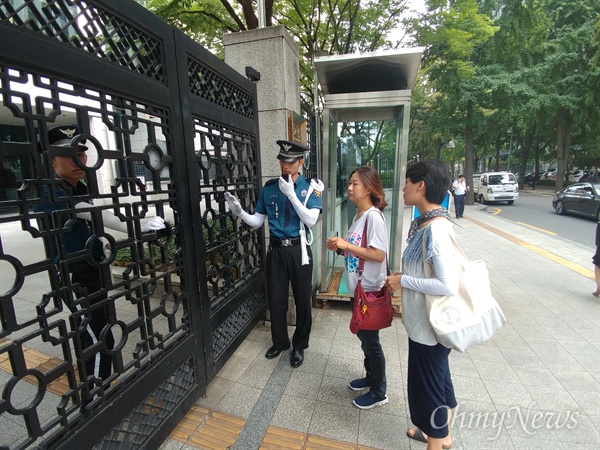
[149,101]
[226,158]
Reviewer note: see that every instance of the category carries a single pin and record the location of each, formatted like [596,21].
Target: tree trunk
[249,15]
[497,164]
[437,146]
[560,157]
[525,150]
[567,149]
[523,163]
[536,163]
[469,161]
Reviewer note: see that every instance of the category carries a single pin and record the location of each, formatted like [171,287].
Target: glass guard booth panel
[333,199]
[348,146]
[365,117]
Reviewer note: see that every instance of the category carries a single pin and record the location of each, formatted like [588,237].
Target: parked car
[577,175]
[550,174]
[530,176]
[582,199]
[495,187]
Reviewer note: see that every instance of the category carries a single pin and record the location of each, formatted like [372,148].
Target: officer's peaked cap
[62,136]
[291,151]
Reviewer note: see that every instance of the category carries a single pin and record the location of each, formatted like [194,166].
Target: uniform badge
[69,132]
[317,194]
[304,192]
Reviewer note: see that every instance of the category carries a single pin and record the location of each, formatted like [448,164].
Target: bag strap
[363,243]
[427,266]
[361,261]
[459,250]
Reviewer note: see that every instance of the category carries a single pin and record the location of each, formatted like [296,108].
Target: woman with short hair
[430,391]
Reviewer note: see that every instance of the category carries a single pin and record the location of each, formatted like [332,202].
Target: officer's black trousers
[284,266]
[93,322]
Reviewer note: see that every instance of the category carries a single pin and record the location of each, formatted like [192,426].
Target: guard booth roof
[368,72]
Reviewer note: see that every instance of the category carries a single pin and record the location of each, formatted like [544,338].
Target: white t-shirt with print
[373,273]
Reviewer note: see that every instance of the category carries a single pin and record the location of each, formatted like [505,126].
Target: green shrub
[123,255]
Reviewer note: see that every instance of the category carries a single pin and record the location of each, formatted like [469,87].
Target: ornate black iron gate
[169,127]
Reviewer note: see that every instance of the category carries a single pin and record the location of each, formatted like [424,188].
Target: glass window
[503,178]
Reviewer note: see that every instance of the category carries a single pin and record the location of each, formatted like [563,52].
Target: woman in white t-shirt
[366,192]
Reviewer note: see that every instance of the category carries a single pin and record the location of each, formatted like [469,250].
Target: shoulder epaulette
[274,180]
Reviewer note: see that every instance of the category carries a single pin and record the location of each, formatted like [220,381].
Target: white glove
[234,204]
[155,223]
[287,186]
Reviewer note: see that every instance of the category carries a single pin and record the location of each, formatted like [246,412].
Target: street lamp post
[262,14]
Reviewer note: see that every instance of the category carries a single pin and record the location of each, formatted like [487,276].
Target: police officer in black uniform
[89,276]
[292,205]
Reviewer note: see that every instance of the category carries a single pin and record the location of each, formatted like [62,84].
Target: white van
[495,187]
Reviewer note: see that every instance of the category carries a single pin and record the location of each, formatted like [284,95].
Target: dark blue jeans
[374,361]
[459,204]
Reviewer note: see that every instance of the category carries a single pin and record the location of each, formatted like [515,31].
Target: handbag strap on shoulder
[427,267]
[363,243]
[361,261]
[459,250]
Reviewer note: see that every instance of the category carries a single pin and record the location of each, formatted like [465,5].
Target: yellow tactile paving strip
[200,427]
[540,251]
[204,429]
[37,360]
[212,430]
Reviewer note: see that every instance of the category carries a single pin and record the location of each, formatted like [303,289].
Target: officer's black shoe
[297,358]
[274,351]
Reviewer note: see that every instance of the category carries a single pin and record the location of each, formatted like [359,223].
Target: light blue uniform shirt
[283,219]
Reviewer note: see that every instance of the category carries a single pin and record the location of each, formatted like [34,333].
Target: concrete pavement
[535,384]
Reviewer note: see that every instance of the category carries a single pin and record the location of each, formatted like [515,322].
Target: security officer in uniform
[292,205]
[90,277]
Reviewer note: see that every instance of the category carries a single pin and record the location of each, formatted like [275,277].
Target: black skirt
[596,258]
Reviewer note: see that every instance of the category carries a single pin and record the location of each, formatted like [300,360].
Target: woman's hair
[436,176]
[370,178]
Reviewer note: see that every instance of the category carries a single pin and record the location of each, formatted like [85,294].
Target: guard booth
[365,122]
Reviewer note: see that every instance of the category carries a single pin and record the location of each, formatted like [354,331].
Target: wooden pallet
[332,291]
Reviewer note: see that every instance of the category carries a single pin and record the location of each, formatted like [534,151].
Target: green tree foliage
[499,77]
[507,60]
[339,27]
[206,20]
[570,75]
[453,33]
[511,77]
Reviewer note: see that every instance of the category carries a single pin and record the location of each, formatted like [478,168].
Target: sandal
[419,436]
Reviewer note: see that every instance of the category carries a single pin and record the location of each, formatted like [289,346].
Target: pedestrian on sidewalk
[366,192]
[596,261]
[430,390]
[459,191]
[292,204]
[532,181]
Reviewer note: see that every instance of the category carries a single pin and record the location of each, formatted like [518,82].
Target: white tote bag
[473,314]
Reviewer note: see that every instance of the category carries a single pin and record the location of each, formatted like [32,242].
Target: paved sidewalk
[536,384]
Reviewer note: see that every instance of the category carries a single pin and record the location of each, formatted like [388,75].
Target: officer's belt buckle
[286,242]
